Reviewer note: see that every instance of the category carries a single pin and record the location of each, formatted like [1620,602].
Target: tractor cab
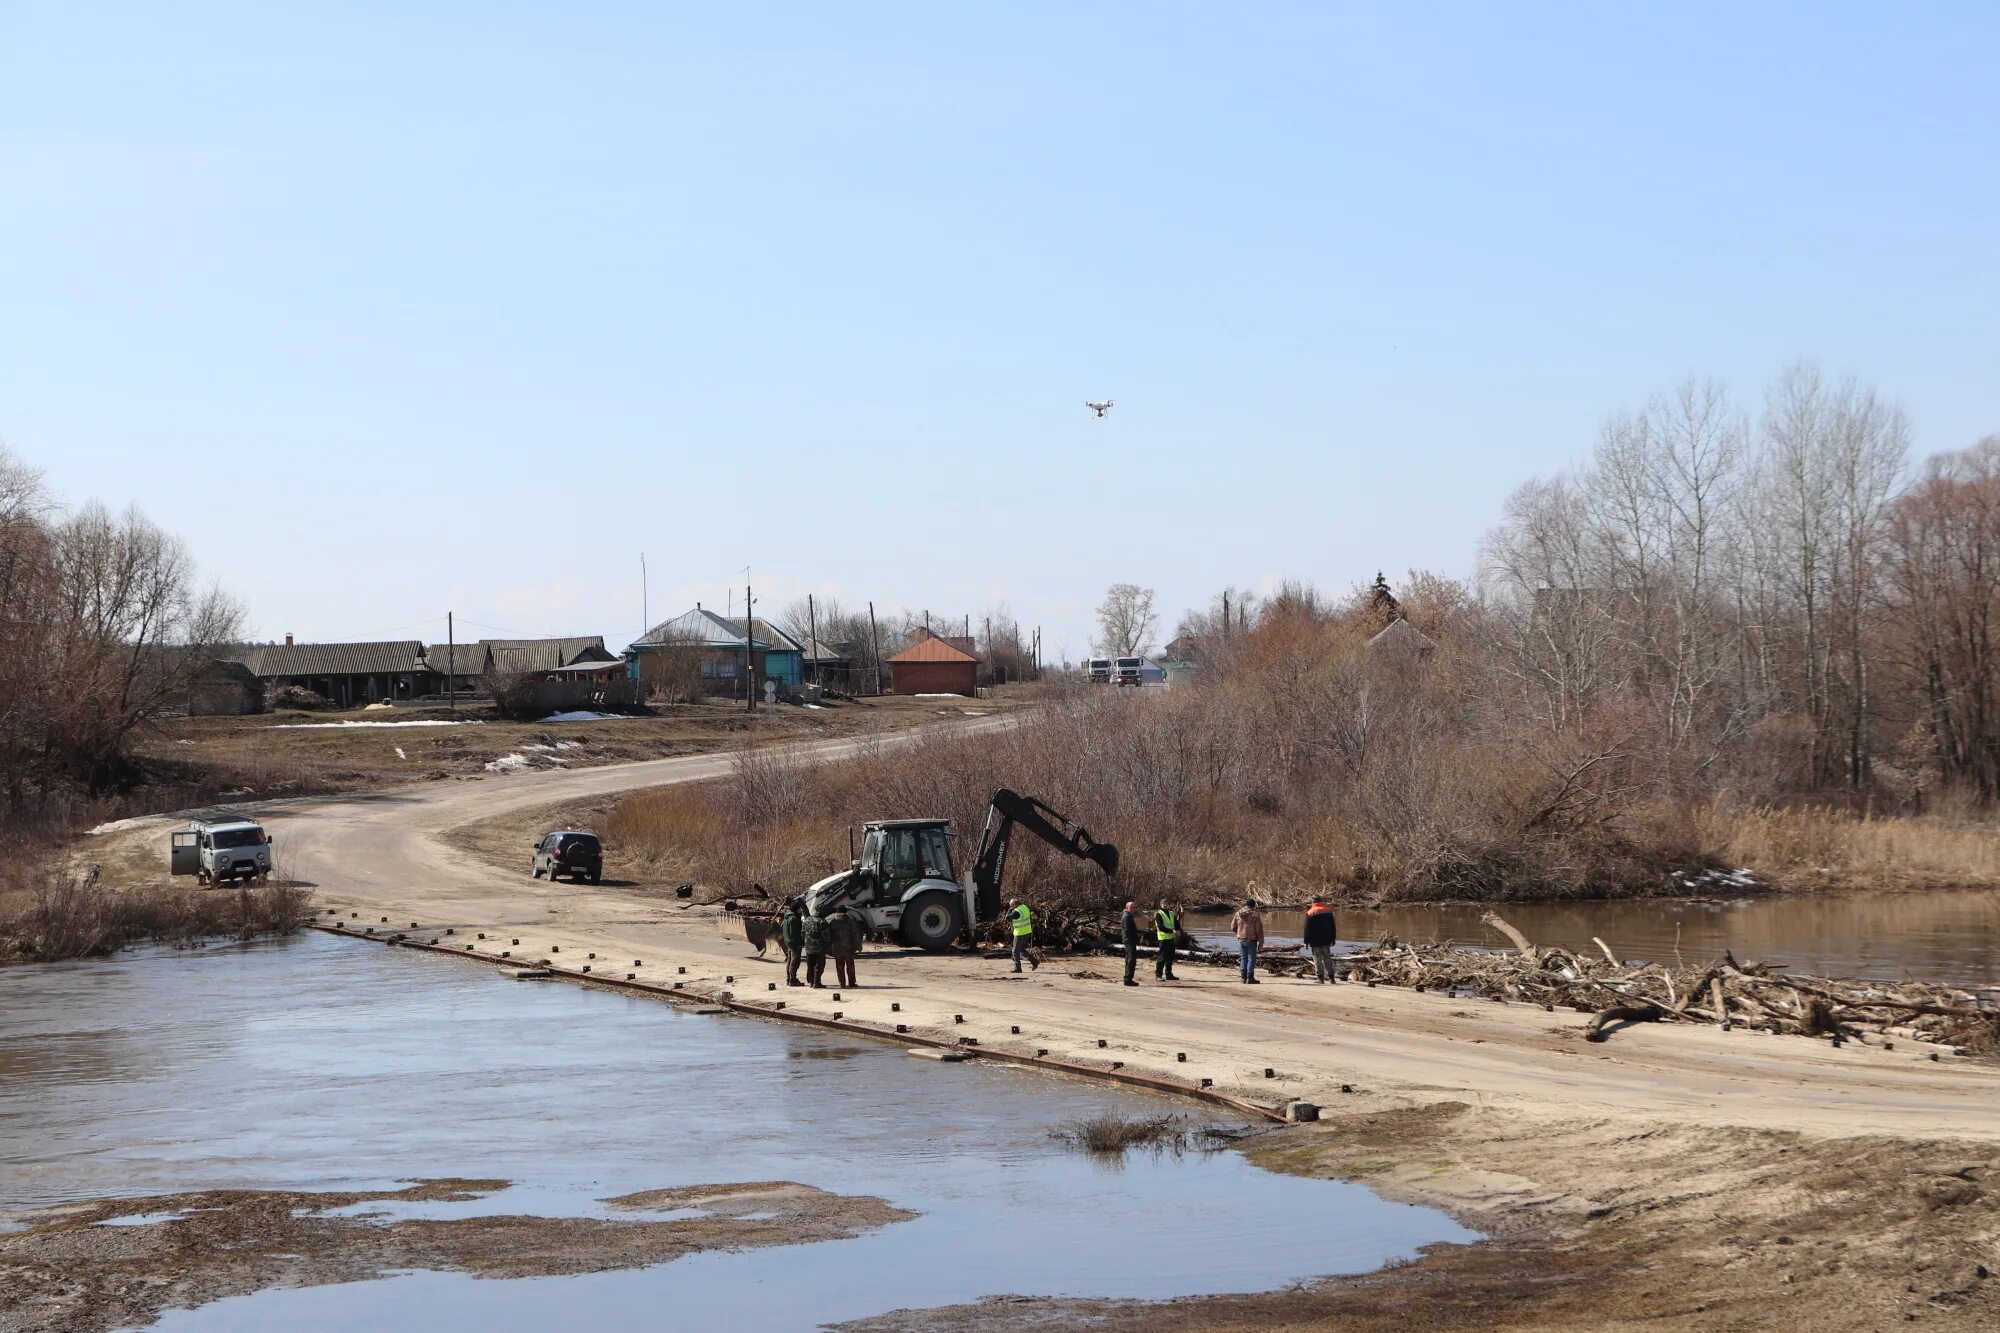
[897,854]
[902,883]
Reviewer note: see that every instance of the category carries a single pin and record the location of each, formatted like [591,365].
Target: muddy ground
[1603,1225]
[69,1271]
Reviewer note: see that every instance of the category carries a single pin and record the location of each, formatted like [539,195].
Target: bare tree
[1126,620]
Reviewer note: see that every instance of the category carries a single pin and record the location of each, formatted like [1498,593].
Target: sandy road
[381,856]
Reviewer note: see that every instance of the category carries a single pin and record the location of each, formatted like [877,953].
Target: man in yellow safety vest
[1023,923]
[1167,926]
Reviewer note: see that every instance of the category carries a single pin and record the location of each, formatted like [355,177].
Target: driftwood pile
[1616,992]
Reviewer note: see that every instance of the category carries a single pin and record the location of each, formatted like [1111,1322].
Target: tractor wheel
[932,921]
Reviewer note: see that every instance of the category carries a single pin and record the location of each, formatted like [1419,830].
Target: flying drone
[1099,408]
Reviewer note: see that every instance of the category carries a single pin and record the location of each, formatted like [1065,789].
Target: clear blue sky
[393,312]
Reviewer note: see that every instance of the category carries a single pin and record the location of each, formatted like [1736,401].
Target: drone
[1099,408]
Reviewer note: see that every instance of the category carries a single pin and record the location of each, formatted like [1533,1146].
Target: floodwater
[1945,935]
[323,1063]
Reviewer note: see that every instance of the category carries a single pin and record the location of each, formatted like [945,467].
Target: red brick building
[933,666]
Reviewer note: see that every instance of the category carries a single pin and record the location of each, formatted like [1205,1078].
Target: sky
[391,310]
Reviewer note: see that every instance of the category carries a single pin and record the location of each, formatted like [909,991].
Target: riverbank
[1597,1228]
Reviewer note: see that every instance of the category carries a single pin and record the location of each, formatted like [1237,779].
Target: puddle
[321,1063]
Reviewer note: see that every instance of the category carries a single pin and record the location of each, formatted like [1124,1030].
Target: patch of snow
[239,791]
[400,754]
[422,722]
[508,763]
[937,696]
[584,717]
[815,707]
[551,749]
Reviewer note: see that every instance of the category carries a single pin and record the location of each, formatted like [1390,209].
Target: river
[320,1064]
[1939,935]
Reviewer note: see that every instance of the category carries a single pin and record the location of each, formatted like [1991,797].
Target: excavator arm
[1007,811]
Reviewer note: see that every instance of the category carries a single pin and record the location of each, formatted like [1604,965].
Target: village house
[934,665]
[715,651]
[346,675]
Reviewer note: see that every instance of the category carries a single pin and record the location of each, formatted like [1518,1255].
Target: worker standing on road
[843,941]
[815,942]
[1319,940]
[1248,926]
[1023,923]
[1128,932]
[792,935]
[1167,929]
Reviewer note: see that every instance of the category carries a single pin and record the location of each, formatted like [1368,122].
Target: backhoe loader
[903,884]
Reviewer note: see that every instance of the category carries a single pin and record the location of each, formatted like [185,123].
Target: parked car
[568,852]
[221,852]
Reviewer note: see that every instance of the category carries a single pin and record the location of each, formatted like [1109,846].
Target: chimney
[288,641]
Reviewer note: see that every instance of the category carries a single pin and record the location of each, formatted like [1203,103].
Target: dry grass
[1113,1135]
[1250,784]
[56,915]
[1820,847]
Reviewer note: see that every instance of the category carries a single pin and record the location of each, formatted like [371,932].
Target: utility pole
[1225,615]
[875,647]
[812,632]
[450,664]
[749,655]
[645,612]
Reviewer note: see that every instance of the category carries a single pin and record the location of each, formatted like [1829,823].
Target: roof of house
[933,649]
[333,659]
[1400,633]
[514,655]
[457,659]
[227,668]
[776,639]
[965,643]
[587,667]
[696,629]
[819,650]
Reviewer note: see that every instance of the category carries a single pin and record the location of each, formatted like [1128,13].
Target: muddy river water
[1940,935]
[320,1064]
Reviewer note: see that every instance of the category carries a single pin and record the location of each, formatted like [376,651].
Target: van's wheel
[535,872]
[596,875]
[932,921]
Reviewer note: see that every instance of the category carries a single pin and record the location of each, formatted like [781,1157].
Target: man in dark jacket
[1319,940]
[1128,932]
[843,941]
[815,947]
[792,935]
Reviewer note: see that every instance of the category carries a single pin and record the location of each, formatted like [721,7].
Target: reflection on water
[323,1063]
[1951,936]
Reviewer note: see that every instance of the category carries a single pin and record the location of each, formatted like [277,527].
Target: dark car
[578,855]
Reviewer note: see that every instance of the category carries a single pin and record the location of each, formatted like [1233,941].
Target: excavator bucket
[1105,855]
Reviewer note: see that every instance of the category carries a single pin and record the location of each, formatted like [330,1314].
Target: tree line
[103,628]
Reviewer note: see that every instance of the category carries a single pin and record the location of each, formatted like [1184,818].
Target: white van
[221,851]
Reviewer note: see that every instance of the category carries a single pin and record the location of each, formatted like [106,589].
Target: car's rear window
[579,842]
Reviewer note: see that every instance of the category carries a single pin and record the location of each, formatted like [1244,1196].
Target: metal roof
[932,650]
[1400,633]
[697,629]
[274,660]
[773,637]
